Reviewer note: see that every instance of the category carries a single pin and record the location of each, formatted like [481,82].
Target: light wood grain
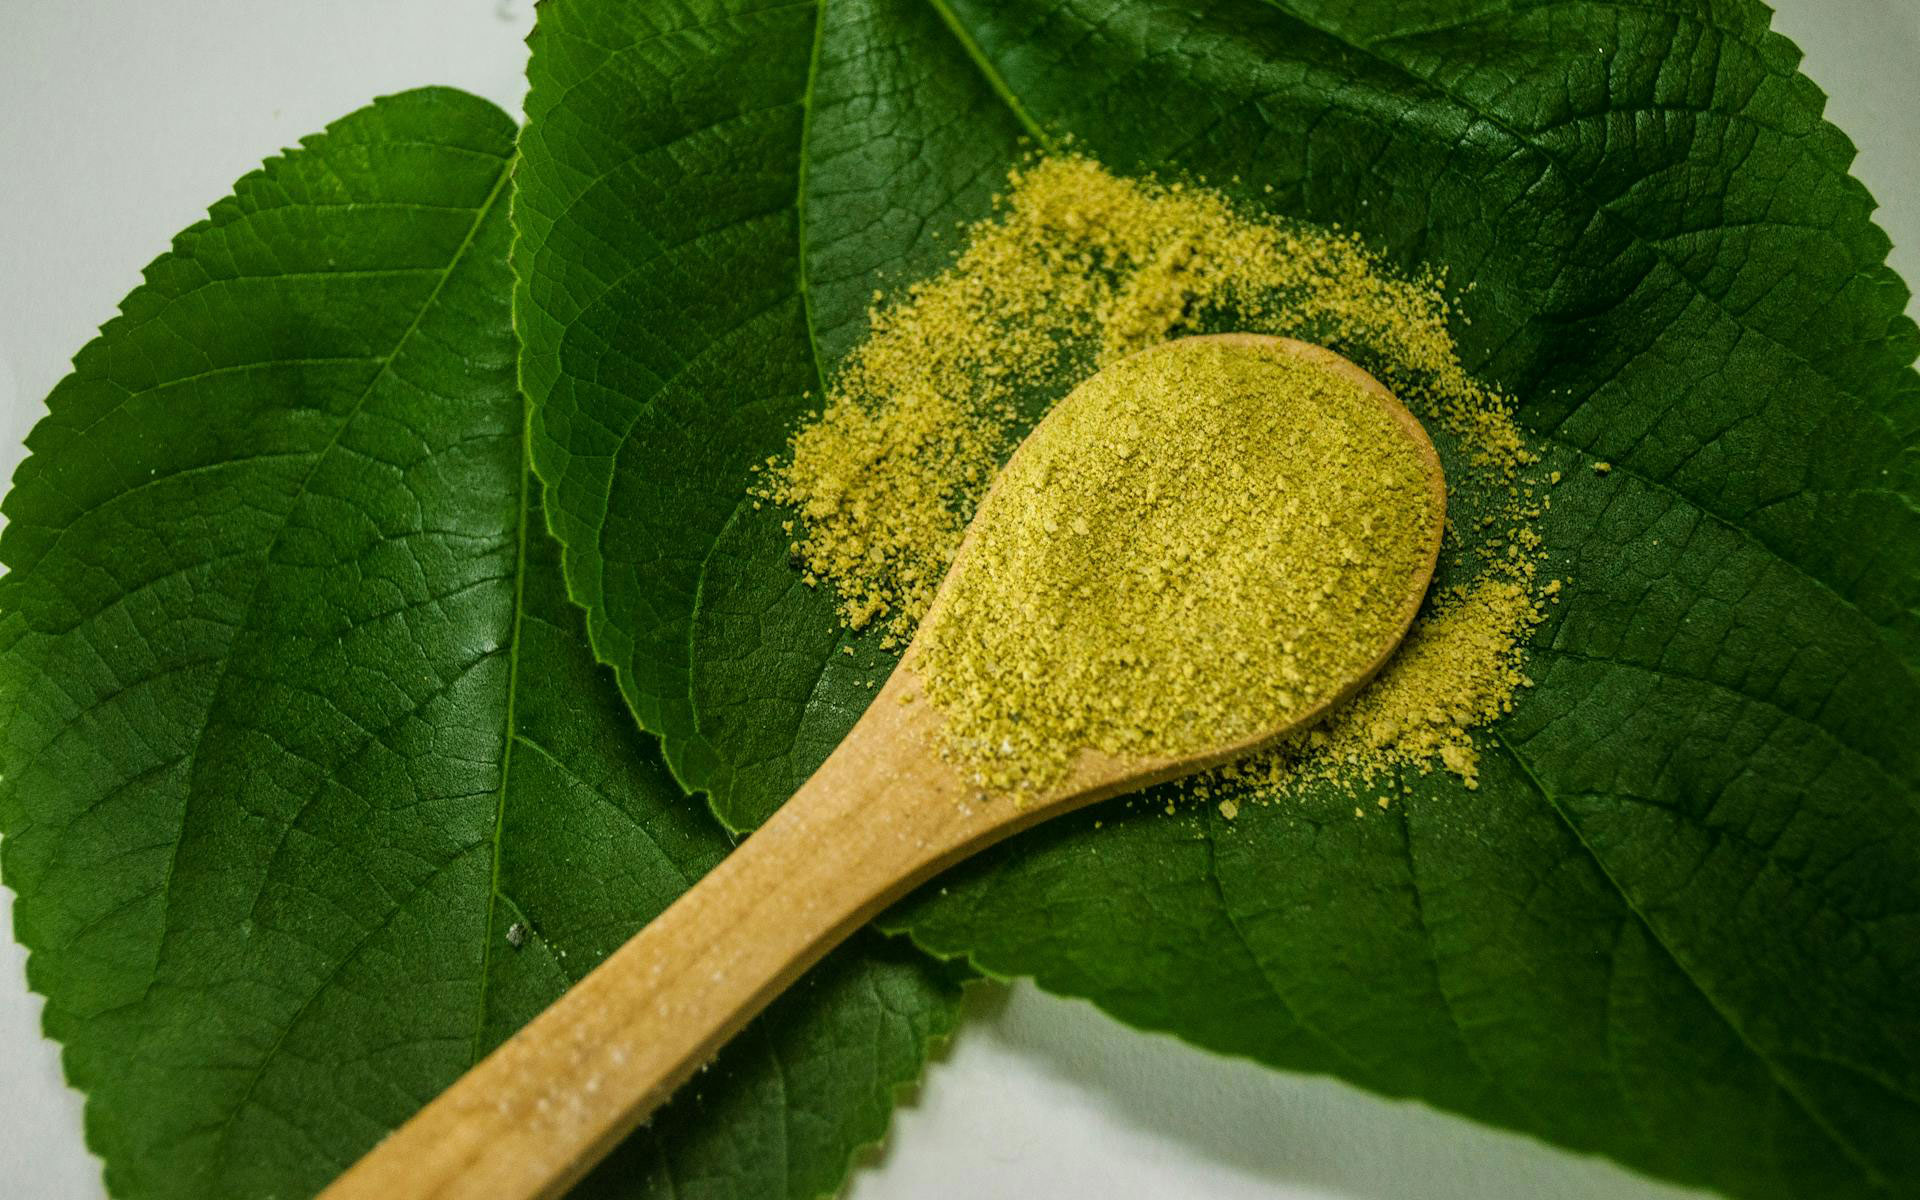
[883,814]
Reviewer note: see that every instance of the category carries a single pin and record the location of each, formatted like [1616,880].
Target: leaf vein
[1774,1069]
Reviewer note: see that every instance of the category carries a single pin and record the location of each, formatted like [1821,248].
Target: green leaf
[1679,922]
[311,791]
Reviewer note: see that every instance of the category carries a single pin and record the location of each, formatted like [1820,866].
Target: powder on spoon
[1204,542]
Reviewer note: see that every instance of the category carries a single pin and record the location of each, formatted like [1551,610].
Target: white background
[121,121]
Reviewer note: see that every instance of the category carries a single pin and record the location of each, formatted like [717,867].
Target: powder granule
[1205,541]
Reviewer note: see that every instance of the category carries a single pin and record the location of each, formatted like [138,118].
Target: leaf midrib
[510,735]
[386,365]
[1781,1078]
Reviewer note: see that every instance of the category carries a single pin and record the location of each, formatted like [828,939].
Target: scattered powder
[1079,268]
[1205,541]
[1458,668]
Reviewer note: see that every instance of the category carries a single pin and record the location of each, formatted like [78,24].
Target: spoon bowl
[884,813]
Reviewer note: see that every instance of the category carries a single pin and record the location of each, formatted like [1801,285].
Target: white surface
[120,123]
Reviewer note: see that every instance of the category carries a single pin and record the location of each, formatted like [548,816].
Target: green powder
[1078,268]
[1204,542]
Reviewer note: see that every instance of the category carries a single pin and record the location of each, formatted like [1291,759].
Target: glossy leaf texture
[1679,922]
[311,790]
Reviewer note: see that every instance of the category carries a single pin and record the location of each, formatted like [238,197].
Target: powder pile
[1078,268]
[1204,541]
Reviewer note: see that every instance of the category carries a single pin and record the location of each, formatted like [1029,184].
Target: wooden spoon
[883,814]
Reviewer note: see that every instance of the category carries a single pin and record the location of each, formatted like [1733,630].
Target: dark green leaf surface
[1679,923]
[301,726]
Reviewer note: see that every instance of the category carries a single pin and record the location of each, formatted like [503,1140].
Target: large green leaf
[311,791]
[1679,922]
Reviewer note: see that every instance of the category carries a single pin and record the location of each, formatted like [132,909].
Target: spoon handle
[883,813]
